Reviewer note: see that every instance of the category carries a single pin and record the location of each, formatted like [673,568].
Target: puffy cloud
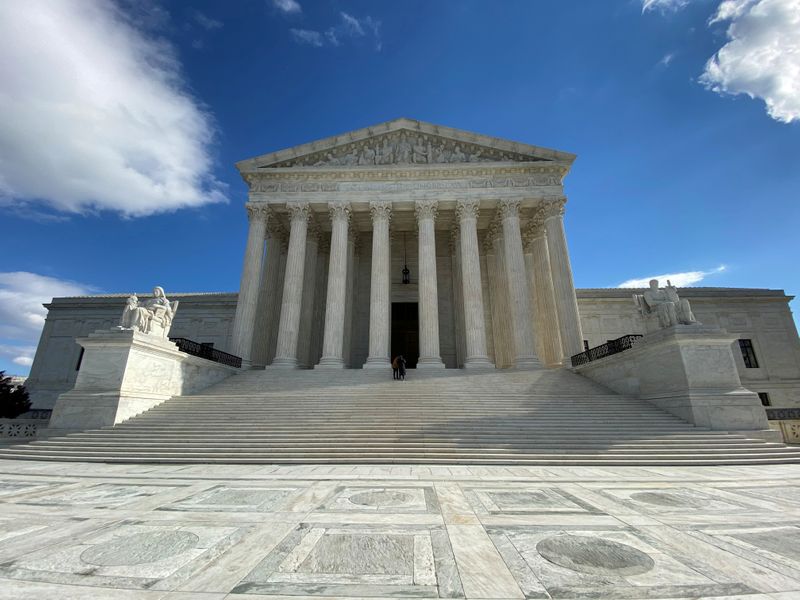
[22,315]
[307,36]
[96,115]
[762,56]
[287,6]
[683,279]
[663,5]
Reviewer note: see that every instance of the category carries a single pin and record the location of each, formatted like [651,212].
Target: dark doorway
[405,332]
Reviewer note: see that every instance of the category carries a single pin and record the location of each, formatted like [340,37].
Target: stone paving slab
[73,531]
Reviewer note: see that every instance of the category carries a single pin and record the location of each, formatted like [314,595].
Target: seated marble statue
[154,318]
[665,303]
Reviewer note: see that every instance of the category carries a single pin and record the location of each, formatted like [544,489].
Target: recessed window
[764,397]
[748,354]
[585,345]
[80,360]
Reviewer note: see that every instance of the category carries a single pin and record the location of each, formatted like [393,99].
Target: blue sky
[122,122]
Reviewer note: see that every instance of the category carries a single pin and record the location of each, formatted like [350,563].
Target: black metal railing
[207,351]
[36,413]
[783,414]
[611,347]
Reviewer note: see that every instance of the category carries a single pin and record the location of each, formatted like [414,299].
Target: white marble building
[477,222]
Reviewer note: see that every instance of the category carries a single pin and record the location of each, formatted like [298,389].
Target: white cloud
[307,36]
[683,279]
[348,27]
[206,22]
[666,59]
[96,115]
[762,56]
[22,315]
[663,5]
[287,6]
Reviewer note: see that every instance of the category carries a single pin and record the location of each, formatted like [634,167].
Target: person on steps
[395,368]
[401,366]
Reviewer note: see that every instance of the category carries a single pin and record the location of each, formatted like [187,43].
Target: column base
[377,363]
[330,362]
[285,362]
[478,362]
[527,363]
[430,362]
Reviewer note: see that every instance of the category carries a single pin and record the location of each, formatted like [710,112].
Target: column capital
[426,209]
[467,209]
[553,208]
[493,232]
[298,211]
[508,208]
[380,210]
[339,211]
[257,211]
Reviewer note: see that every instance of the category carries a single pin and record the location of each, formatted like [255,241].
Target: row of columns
[533,293]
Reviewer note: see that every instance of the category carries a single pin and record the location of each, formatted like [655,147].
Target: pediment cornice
[403,143]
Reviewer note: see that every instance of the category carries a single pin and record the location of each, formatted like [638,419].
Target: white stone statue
[665,304]
[154,318]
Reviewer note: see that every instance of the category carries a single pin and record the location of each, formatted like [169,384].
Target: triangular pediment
[403,142]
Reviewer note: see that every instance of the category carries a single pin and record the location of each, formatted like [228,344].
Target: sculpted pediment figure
[403,142]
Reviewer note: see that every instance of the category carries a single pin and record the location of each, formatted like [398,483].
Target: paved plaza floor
[129,532]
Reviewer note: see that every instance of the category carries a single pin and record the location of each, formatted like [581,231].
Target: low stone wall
[21,429]
[124,373]
[689,371]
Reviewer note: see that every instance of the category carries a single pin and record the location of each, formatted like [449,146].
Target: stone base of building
[689,371]
[124,373]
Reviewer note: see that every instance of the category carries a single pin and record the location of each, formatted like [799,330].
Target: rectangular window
[80,360]
[764,397]
[585,345]
[748,354]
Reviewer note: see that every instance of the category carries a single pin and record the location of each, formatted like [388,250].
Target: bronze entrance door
[405,332]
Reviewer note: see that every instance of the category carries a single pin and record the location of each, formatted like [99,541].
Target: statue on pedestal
[154,318]
[665,303]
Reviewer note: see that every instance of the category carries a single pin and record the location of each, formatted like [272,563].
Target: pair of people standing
[399,368]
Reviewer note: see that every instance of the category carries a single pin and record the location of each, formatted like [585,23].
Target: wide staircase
[546,417]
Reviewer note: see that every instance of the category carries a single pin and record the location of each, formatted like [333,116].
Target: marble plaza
[212,532]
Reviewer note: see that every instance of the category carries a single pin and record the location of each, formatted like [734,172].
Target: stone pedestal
[124,373]
[689,371]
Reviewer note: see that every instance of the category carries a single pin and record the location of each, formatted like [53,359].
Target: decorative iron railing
[783,414]
[207,351]
[611,347]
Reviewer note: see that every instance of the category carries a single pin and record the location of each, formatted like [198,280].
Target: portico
[478,221]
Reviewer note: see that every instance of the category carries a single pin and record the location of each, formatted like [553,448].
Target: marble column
[349,309]
[518,293]
[429,356]
[563,286]
[268,294]
[333,341]
[379,300]
[472,287]
[314,239]
[244,319]
[275,314]
[289,325]
[545,317]
[456,295]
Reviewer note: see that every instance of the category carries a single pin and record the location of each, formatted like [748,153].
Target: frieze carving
[405,148]
[425,209]
[467,209]
[380,210]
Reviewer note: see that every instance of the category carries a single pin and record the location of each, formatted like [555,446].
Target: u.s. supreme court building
[445,246]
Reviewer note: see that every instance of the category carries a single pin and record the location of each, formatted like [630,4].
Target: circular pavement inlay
[140,548]
[667,499]
[381,498]
[595,556]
